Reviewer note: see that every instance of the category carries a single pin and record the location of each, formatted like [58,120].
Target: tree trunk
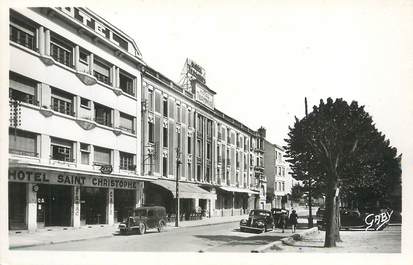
[338,220]
[330,238]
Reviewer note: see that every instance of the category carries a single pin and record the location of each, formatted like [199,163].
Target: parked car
[258,221]
[144,218]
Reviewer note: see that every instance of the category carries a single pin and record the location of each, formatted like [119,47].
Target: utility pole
[178,162]
[310,214]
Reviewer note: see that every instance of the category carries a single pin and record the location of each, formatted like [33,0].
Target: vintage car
[144,218]
[258,221]
[371,219]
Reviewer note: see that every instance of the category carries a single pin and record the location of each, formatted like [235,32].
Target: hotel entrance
[54,205]
[93,205]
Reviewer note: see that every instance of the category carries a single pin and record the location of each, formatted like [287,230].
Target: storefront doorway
[93,205]
[17,206]
[124,203]
[54,205]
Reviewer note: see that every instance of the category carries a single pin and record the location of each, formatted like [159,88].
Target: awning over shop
[240,190]
[186,190]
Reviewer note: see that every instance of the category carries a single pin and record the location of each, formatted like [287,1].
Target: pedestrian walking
[293,220]
[283,220]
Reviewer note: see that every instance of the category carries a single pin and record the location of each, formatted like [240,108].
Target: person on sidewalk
[293,220]
[283,220]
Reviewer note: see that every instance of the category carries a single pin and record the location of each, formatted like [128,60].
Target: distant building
[279,179]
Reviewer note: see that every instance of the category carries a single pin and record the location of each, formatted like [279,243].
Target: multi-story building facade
[277,172]
[94,131]
[218,156]
[74,144]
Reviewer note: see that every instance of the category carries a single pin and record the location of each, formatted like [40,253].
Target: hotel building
[95,132]
[75,112]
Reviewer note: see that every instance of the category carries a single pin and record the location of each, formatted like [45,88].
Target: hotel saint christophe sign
[62,178]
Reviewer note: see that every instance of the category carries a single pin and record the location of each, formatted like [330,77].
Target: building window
[189,145]
[198,172]
[101,71]
[126,84]
[208,150]
[103,115]
[150,100]
[199,145]
[23,34]
[178,140]
[84,154]
[62,102]
[178,113]
[83,57]
[190,119]
[126,161]
[22,143]
[61,150]
[165,107]
[283,186]
[165,136]
[102,156]
[22,89]
[157,102]
[126,123]
[150,132]
[61,51]
[189,171]
[164,166]
[85,103]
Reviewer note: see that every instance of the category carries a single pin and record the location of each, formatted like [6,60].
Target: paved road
[212,238]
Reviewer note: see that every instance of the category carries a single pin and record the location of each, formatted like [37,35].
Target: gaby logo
[378,220]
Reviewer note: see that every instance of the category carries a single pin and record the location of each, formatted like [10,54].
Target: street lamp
[178,162]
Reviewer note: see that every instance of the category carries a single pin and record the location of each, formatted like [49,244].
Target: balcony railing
[26,98]
[23,153]
[62,107]
[129,130]
[20,37]
[128,167]
[61,55]
[62,158]
[103,121]
[101,77]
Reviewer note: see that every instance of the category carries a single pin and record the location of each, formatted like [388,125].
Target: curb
[102,236]
[286,240]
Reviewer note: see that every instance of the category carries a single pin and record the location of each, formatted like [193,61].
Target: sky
[262,58]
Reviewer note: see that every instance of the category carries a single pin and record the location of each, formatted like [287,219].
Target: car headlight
[260,223]
[243,222]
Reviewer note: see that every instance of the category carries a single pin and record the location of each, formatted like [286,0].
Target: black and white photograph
[206,132]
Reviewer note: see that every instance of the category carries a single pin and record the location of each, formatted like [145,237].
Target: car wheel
[161,226]
[142,229]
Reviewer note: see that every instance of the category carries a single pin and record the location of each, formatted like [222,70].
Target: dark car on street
[144,218]
[258,221]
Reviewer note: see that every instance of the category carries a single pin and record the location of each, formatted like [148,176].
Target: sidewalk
[55,235]
[385,241]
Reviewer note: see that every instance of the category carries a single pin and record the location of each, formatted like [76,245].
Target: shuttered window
[102,156]
[22,143]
